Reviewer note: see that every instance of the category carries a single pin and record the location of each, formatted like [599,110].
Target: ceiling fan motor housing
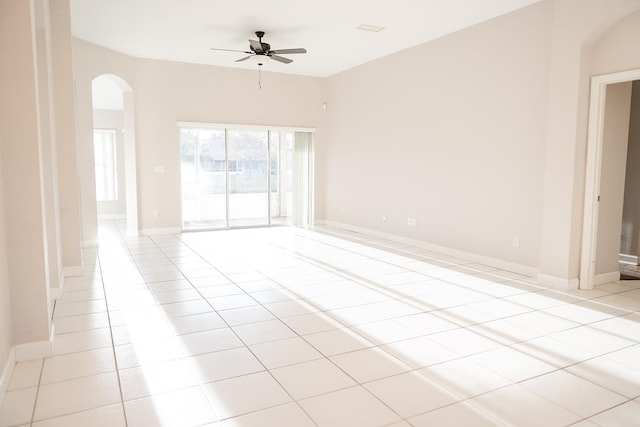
[265,49]
[265,46]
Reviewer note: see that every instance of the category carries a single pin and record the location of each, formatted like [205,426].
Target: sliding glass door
[248,162]
[281,177]
[240,178]
[204,179]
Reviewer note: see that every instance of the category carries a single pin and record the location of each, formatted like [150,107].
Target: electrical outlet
[516,242]
[412,222]
[155,213]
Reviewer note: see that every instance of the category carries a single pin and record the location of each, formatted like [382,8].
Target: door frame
[595,142]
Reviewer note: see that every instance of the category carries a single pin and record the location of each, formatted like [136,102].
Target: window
[104,148]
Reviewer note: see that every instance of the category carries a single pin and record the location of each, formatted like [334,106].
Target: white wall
[480,135]
[67,168]
[22,179]
[631,212]
[6,319]
[612,183]
[48,149]
[167,92]
[451,133]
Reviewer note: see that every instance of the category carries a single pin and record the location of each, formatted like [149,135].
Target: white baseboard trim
[160,231]
[481,259]
[55,293]
[37,349]
[73,271]
[7,371]
[89,243]
[558,283]
[601,279]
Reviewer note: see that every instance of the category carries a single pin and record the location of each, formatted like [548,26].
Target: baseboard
[37,349]
[89,243]
[7,371]
[55,293]
[481,259]
[558,283]
[601,279]
[160,231]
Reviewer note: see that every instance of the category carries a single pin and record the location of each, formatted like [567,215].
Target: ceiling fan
[259,48]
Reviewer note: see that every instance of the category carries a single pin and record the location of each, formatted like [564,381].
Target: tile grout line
[113,346]
[35,401]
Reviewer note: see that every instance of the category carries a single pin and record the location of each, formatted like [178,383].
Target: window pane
[204,185]
[248,178]
[104,148]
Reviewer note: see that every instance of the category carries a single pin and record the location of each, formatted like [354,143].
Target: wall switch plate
[516,242]
[155,213]
[412,222]
[384,218]
[159,169]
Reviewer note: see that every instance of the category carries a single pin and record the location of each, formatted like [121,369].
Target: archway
[115,150]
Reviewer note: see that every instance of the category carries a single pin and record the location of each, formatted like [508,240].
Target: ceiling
[185,30]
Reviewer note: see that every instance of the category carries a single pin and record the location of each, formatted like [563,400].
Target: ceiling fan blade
[289,51]
[281,59]
[256,46]
[244,59]
[229,50]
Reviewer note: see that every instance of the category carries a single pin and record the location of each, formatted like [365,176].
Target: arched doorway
[115,150]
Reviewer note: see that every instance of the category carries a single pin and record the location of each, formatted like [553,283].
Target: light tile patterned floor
[290,327]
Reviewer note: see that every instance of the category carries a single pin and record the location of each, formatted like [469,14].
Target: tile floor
[289,327]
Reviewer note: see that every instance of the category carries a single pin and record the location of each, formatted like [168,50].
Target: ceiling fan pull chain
[260,76]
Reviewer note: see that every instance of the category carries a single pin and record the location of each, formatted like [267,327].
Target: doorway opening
[630,231]
[114,151]
[602,219]
[233,177]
